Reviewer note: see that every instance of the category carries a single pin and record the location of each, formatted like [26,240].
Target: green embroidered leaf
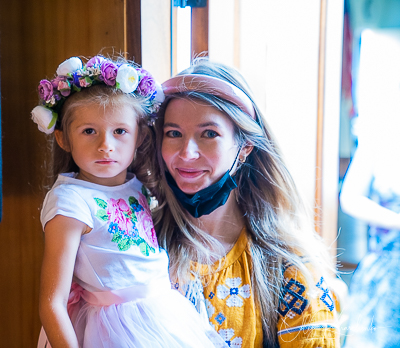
[124,244]
[116,237]
[102,215]
[144,248]
[144,191]
[101,203]
[133,200]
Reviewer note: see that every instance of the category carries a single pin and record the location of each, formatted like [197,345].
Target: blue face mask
[206,200]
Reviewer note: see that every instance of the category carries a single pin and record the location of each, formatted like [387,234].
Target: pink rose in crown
[115,212]
[61,84]
[143,202]
[146,228]
[83,82]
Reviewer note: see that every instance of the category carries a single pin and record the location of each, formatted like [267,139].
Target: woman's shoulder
[307,309]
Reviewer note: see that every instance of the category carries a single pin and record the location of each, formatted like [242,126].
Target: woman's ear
[59,135]
[246,150]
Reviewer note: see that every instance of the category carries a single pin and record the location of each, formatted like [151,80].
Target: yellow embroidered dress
[307,319]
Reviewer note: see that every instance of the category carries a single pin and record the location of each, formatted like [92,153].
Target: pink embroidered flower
[146,228]
[115,212]
[143,202]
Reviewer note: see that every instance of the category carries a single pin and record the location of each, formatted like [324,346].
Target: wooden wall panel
[35,37]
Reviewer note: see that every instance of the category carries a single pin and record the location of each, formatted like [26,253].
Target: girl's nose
[189,150]
[105,143]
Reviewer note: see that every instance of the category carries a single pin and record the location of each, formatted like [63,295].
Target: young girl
[99,234]
[229,212]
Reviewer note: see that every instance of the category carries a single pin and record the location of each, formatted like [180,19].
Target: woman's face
[198,145]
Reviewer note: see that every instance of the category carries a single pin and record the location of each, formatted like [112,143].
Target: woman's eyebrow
[208,124]
[170,124]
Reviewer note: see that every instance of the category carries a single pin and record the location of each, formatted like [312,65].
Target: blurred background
[304,61]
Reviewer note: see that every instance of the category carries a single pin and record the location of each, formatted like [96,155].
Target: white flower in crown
[127,78]
[69,66]
[44,118]
[233,292]
[159,97]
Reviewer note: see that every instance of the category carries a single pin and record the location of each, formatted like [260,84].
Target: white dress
[121,294]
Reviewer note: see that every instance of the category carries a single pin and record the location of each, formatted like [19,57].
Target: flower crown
[72,76]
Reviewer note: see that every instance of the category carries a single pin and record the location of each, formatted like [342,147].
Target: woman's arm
[62,238]
[354,196]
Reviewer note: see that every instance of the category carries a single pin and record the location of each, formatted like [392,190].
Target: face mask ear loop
[236,158]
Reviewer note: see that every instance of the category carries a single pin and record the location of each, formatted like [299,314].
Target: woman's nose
[106,143]
[189,150]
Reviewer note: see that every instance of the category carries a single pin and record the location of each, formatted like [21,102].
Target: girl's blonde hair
[278,227]
[103,96]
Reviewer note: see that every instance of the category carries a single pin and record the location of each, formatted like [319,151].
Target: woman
[230,217]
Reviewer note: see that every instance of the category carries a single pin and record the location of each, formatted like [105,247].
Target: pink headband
[210,85]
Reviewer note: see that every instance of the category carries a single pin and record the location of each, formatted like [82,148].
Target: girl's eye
[89,131]
[210,134]
[120,131]
[173,134]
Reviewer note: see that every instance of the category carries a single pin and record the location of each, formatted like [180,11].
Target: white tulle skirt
[163,320]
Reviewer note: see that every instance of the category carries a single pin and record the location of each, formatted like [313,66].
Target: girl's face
[102,143]
[198,145]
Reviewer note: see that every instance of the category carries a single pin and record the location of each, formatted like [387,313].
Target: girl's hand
[62,238]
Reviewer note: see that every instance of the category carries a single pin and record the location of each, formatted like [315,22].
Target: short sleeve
[65,201]
[307,314]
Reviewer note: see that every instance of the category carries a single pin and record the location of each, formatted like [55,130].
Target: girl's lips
[105,162]
[189,173]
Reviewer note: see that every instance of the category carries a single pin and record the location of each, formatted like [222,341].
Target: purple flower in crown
[45,89]
[147,84]
[108,72]
[61,83]
[95,62]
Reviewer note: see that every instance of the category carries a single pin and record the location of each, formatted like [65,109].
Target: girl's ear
[59,135]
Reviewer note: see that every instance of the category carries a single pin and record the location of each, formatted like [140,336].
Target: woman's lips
[189,173]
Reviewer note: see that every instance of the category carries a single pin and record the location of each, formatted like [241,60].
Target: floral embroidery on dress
[326,297]
[220,318]
[233,292]
[130,224]
[227,335]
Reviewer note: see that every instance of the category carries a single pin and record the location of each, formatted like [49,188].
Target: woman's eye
[210,134]
[173,134]
[120,131]
[89,131]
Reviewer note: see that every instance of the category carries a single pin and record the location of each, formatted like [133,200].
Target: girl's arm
[354,196]
[62,238]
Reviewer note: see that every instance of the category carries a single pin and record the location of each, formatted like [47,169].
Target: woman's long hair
[278,226]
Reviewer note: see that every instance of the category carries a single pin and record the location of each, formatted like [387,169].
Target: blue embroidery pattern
[220,318]
[325,298]
[211,296]
[292,298]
